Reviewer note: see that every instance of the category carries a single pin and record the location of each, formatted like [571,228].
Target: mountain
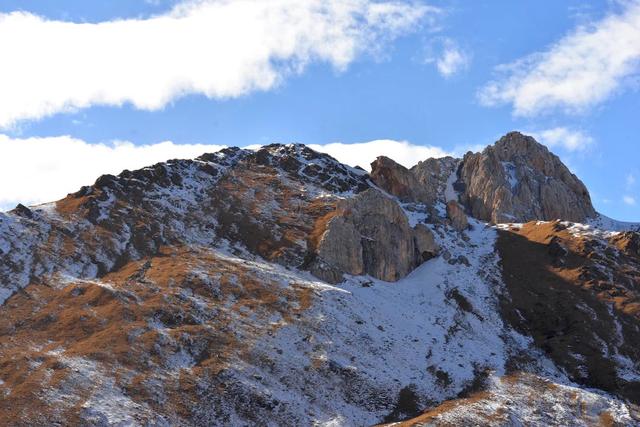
[281,287]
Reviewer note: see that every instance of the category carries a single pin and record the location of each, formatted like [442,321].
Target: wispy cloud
[579,71]
[566,138]
[630,180]
[217,48]
[448,57]
[45,169]
[363,154]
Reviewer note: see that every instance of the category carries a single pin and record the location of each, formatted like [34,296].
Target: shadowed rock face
[578,297]
[397,180]
[518,180]
[370,234]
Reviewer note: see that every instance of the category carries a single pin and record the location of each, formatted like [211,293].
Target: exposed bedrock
[518,180]
[370,234]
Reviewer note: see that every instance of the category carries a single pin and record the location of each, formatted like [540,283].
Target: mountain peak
[518,179]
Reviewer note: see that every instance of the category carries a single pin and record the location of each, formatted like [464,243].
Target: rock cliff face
[514,180]
[370,234]
[434,174]
[518,180]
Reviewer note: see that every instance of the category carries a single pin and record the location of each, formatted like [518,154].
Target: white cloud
[569,139]
[449,59]
[579,71]
[453,60]
[629,200]
[38,170]
[630,180]
[364,153]
[218,48]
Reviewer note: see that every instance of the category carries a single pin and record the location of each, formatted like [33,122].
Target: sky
[96,87]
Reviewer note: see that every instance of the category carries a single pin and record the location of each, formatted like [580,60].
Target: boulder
[457,216]
[425,244]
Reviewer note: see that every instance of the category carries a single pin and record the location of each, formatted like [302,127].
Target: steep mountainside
[280,287]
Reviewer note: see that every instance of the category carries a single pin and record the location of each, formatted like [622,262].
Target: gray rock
[424,183]
[432,174]
[340,251]
[426,246]
[370,234]
[457,216]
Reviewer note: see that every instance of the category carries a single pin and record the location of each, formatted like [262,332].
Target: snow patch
[449,192]
[511,174]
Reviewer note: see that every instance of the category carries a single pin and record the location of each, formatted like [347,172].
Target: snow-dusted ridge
[603,222]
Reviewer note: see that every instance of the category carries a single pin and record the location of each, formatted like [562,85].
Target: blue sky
[441,76]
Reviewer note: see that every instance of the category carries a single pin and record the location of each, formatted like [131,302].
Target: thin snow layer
[364,341]
[95,391]
[603,222]
[33,247]
[529,400]
[600,227]
[16,242]
[416,213]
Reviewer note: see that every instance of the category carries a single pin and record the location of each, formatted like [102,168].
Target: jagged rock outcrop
[434,174]
[423,183]
[517,180]
[628,242]
[399,181]
[370,234]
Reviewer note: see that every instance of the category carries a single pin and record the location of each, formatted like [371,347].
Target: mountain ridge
[281,287]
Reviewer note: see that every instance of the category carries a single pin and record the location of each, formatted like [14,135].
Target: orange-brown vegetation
[131,323]
[571,293]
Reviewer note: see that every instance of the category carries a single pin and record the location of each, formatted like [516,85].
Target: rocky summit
[280,287]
